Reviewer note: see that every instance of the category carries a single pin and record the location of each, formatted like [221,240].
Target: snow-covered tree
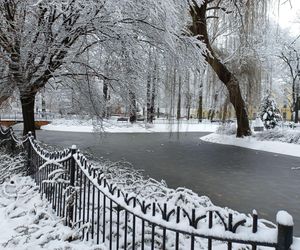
[45,40]
[291,58]
[269,112]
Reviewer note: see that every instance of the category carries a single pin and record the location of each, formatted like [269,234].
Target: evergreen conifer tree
[269,112]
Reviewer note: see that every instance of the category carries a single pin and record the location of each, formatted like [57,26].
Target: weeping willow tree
[229,30]
[252,35]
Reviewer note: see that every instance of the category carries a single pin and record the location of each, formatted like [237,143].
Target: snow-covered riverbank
[251,142]
[114,126]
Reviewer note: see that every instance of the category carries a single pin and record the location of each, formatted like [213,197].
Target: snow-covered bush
[123,175]
[283,135]
[269,113]
[227,129]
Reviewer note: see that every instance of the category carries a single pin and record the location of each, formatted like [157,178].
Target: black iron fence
[103,213]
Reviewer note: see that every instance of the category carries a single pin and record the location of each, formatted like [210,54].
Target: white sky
[289,15]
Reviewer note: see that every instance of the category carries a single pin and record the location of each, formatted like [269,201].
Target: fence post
[285,226]
[29,156]
[72,184]
[12,141]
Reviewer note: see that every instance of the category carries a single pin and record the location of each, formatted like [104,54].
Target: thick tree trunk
[28,101]
[199,28]
[235,96]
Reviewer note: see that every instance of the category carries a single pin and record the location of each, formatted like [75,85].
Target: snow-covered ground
[251,142]
[113,126]
[28,222]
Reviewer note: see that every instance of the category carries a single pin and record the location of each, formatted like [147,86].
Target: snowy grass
[113,126]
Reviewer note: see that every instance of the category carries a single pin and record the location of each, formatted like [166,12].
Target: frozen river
[239,178]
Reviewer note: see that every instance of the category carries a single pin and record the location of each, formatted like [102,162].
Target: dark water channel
[239,178]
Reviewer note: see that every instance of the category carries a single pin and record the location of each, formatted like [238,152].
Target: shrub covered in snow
[278,134]
[269,113]
[123,175]
[227,129]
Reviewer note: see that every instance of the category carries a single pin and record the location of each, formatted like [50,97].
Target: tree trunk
[225,110]
[209,114]
[235,96]
[188,96]
[224,115]
[152,108]
[297,110]
[153,95]
[212,115]
[179,100]
[200,98]
[133,108]
[149,120]
[28,101]
[43,104]
[199,28]
[200,108]
[106,98]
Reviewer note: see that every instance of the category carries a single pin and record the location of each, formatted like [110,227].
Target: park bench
[122,119]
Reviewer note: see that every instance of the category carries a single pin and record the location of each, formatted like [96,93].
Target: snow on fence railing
[11,140]
[100,211]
